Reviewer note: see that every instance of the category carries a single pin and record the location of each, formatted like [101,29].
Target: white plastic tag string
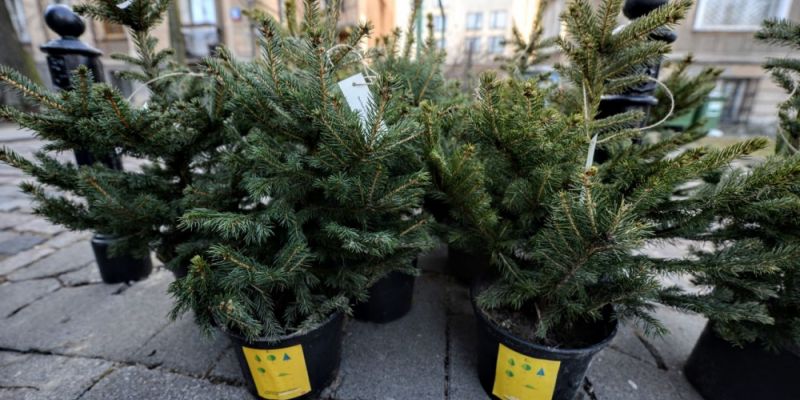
[594,141]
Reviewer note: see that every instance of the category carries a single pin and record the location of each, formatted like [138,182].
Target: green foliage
[752,261]
[530,51]
[786,74]
[689,91]
[563,235]
[332,201]
[178,134]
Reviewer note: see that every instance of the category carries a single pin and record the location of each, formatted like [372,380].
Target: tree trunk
[12,53]
[176,39]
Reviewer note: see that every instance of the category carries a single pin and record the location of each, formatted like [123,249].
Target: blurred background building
[473,33]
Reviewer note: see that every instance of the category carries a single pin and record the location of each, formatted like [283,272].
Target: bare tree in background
[12,53]
[176,39]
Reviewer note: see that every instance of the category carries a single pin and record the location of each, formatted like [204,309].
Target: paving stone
[40,225]
[227,368]
[16,295]
[64,260]
[684,330]
[87,275]
[12,180]
[7,170]
[458,301]
[10,191]
[4,236]
[108,321]
[17,393]
[18,242]
[403,359]
[141,383]
[629,343]
[8,204]
[23,258]
[672,249]
[44,377]
[181,347]
[435,260]
[463,365]
[11,220]
[11,133]
[616,376]
[67,238]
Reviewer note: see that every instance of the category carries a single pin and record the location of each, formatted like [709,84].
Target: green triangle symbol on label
[540,372]
[286,357]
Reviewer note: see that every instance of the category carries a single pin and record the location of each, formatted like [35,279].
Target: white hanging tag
[125,4]
[590,155]
[359,99]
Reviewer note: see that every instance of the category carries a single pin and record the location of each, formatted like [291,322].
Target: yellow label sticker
[279,374]
[519,377]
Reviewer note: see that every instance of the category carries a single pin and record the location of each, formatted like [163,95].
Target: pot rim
[556,350]
[277,339]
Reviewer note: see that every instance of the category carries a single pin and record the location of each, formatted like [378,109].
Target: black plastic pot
[466,266]
[296,366]
[180,271]
[721,371]
[526,369]
[390,298]
[121,268]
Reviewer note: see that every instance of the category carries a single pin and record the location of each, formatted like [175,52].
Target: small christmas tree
[421,82]
[333,198]
[786,73]
[751,223]
[562,231]
[179,132]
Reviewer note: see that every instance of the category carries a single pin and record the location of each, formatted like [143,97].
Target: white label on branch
[590,154]
[359,98]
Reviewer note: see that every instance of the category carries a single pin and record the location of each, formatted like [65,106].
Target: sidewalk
[66,335]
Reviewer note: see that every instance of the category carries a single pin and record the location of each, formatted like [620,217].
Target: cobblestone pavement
[66,335]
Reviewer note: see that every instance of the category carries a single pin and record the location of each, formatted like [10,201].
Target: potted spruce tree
[330,206]
[561,230]
[753,306]
[178,133]
[419,79]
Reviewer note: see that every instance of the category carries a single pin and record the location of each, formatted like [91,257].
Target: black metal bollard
[64,55]
[639,97]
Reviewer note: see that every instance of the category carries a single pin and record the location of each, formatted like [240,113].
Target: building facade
[204,25]
[721,33]
[474,32]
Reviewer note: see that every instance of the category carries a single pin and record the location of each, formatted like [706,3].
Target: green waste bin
[711,111]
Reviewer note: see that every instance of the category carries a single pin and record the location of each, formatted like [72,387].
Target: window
[439,23]
[198,12]
[440,43]
[737,15]
[474,21]
[739,94]
[496,45]
[498,19]
[112,30]
[473,45]
[17,14]
[200,32]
